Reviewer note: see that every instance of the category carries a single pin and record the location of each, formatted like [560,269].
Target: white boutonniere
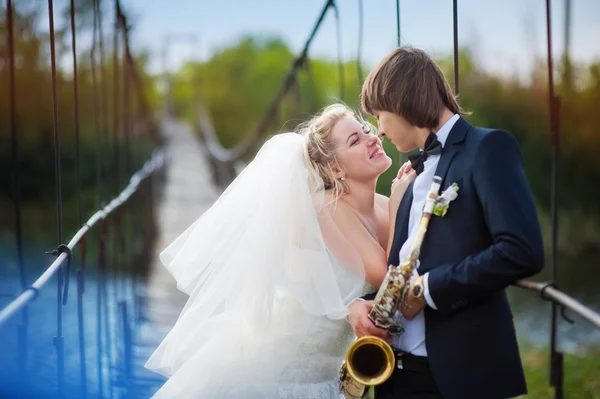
[442,203]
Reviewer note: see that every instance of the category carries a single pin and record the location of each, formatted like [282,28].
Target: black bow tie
[432,147]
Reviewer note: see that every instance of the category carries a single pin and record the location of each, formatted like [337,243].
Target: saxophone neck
[414,254]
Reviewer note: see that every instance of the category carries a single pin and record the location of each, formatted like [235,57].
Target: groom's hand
[415,305]
[360,322]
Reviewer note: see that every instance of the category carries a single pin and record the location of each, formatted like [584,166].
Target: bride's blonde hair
[320,150]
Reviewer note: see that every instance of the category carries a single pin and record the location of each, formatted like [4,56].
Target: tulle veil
[267,247]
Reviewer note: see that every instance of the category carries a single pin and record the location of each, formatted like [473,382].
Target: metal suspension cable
[455,26]
[122,28]
[127,113]
[401,156]
[116,95]
[133,75]
[360,42]
[57,167]
[76,114]
[136,81]
[95,104]
[231,155]
[567,79]
[312,85]
[104,83]
[120,219]
[554,137]
[113,228]
[297,99]
[556,358]
[339,48]
[16,184]
[126,236]
[81,268]
[117,224]
[58,341]
[398,22]
[97,45]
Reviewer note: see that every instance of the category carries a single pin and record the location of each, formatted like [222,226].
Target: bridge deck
[187,193]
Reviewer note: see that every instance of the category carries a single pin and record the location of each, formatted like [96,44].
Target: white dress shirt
[413,339]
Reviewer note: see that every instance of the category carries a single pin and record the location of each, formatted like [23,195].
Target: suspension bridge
[141,205]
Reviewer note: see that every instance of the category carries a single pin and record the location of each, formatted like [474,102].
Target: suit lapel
[401,228]
[452,147]
[445,160]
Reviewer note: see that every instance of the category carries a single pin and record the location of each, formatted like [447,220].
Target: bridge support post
[556,374]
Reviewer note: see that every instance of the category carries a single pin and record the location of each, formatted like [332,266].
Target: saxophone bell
[369,362]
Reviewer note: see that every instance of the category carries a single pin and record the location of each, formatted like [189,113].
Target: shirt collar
[442,134]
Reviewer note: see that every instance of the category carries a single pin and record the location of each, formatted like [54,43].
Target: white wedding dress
[270,278]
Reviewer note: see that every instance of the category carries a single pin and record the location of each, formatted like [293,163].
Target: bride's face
[360,154]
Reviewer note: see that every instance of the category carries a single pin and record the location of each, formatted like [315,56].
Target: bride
[271,267]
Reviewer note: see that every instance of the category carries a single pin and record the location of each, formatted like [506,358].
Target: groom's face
[401,133]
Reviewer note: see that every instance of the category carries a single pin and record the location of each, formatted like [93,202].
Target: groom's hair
[408,83]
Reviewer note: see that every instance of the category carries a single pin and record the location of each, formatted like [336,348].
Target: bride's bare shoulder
[341,212]
[381,200]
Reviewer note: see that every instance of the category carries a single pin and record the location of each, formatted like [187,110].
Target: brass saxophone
[370,360]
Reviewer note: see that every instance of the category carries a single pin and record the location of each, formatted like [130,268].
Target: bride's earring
[343,178]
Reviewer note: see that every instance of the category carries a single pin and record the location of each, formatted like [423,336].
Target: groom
[460,341]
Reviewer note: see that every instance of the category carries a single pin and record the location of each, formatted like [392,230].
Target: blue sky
[503,34]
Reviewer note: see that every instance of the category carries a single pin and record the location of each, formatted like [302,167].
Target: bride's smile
[360,155]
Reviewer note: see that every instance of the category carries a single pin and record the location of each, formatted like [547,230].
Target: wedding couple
[282,269]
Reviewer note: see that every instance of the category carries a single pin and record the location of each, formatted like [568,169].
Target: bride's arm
[406,174]
[393,211]
[372,255]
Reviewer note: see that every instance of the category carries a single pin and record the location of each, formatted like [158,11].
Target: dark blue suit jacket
[489,239]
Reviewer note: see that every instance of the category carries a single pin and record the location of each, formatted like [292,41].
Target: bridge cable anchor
[563,310]
[64,248]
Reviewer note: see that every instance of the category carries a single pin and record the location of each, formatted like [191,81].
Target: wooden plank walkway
[187,193]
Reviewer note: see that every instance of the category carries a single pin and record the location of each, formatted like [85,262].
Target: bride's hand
[360,322]
[406,174]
